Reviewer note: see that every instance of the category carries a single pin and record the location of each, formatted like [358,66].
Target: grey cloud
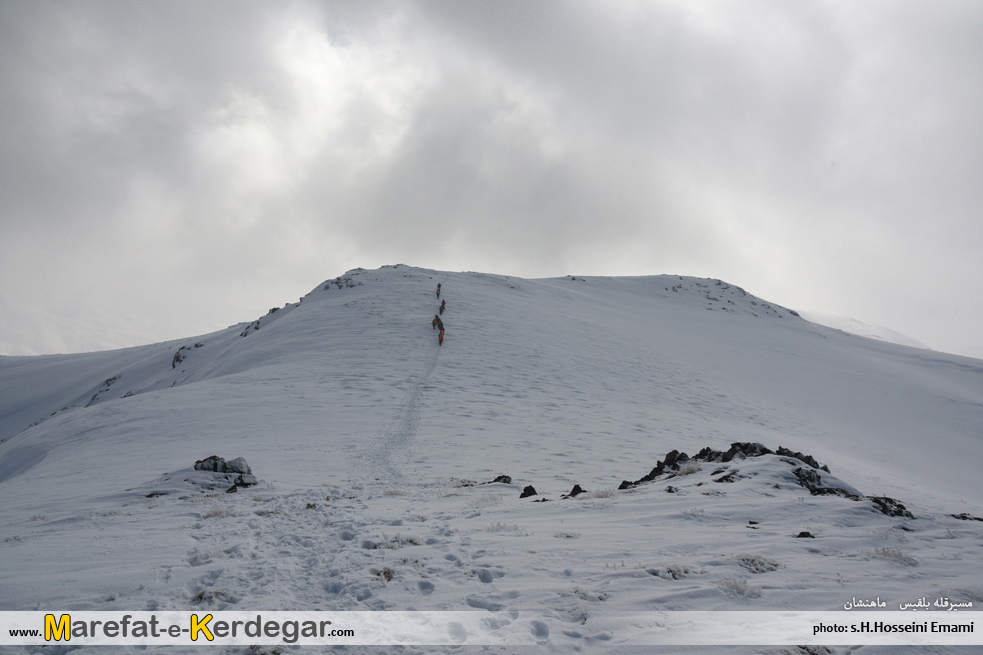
[815,153]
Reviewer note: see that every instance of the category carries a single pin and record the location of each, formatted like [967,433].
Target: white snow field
[861,328]
[371,443]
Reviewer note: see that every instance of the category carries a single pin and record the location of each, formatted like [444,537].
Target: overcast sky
[171,168]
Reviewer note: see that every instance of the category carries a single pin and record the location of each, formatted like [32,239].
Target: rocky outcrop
[238,467]
[809,476]
[576,491]
[738,450]
[890,507]
[219,465]
[813,481]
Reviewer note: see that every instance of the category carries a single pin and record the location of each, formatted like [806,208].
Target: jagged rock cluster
[341,282]
[675,459]
[808,478]
[812,481]
[890,506]
[105,387]
[219,465]
[966,517]
[181,355]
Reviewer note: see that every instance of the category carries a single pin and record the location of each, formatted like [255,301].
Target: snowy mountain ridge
[144,369]
[390,468]
[862,328]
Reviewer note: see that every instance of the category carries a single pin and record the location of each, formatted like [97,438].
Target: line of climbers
[436,322]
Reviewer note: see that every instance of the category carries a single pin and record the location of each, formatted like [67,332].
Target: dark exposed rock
[890,507]
[709,455]
[804,535]
[252,327]
[746,449]
[808,459]
[965,517]
[813,481]
[219,465]
[576,491]
[737,450]
[653,474]
[242,480]
[504,479]
[237,466]
[341,282]
[179,356]
[808,479]
[808,476]
[528,491]
[675,459]
[105,387]
[211,463]
[246,480]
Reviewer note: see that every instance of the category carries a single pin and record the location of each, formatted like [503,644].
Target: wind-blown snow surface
[861,328]
[366,435]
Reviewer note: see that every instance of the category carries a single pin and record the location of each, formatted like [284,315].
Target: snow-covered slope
[371,442]
[862,328]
